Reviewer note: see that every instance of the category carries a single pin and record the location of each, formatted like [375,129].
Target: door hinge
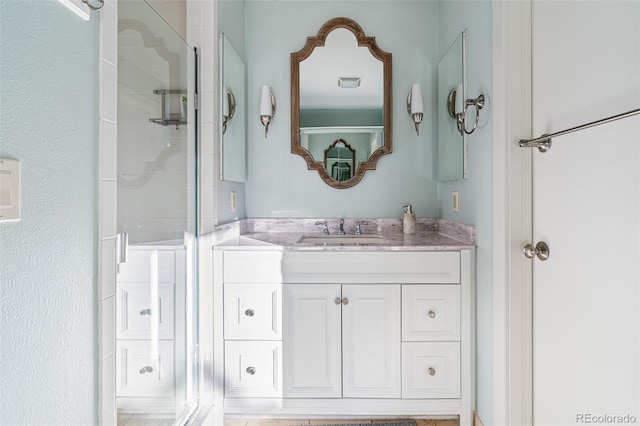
[196,101]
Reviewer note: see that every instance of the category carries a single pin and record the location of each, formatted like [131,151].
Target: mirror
[232,113]
[341,103]
[452,145]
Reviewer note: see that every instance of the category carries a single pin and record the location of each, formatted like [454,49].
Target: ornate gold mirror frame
[305,52]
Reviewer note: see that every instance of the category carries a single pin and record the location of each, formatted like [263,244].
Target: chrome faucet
[341,230]
[358,229]
[325,230]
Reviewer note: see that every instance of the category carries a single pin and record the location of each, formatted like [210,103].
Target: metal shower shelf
[169,119]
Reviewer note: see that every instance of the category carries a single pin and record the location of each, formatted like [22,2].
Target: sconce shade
[266,107]
[417,106]
[459,100]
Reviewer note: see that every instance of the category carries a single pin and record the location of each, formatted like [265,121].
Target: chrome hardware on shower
[541,250]
[122,247]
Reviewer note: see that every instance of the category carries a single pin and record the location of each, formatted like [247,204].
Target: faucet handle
[325,230]
[358,223]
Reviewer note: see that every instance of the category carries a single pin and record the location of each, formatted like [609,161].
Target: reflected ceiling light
[349,82]
[267,108]
[415,106]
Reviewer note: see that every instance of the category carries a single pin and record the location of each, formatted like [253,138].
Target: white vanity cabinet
[342,341]
[345,333]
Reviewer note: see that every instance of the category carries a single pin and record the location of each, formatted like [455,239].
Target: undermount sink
[341,239]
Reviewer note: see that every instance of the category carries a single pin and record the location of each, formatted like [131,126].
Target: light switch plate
[9,190]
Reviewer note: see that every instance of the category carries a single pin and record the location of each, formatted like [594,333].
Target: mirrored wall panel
[452,145]
[233,113]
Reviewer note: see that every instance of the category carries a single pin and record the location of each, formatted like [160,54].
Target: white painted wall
[475,194]
[586,66]
[49,92]
[279,183]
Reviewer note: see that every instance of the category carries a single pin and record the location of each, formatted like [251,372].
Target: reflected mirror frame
[304,53]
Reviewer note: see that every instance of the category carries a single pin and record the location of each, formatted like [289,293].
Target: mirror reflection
[341,95]
[452,150]
[233,113]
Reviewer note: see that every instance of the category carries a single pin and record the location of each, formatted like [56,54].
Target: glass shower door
[156,284]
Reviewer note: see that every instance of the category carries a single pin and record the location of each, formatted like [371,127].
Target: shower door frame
[106,410]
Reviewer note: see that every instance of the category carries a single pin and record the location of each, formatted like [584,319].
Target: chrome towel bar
[543,143]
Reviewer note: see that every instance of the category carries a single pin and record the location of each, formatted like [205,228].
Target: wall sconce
[415,107]
[267,108]
[228,108]
[457,107]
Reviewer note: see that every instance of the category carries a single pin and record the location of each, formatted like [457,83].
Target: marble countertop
[274,234]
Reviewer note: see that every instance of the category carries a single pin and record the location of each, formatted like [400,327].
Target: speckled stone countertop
[386,234]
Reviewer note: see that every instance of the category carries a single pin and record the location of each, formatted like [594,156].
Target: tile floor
[262,422]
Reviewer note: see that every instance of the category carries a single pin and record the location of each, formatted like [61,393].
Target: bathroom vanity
[372,325]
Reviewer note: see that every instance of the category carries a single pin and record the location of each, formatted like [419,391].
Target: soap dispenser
[409,220]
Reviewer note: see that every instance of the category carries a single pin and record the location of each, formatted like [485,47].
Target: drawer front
[430,312]
[253,369]
[253,311]
[144,373]
[142,310]
[435,267]
[253,266]
[145,266]
[430,370]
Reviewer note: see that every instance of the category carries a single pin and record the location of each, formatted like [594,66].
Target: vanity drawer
[253,311]
[143,374]
[430,267]
[253,369]
[430,370]
[430,312]
[140,311]
[252,266]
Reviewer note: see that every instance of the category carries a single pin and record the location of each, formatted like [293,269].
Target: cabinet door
[312,349]
[371,341]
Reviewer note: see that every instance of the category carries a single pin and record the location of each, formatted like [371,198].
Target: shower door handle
[122,247]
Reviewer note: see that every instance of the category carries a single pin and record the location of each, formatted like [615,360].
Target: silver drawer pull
[432,314]
[249,312]
[145,312]
[338,301]
[345,301]
[146,369]
[432,371]
[251,370]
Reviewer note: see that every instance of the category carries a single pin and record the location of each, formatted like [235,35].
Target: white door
[586,197]
[371,341]
[312,349]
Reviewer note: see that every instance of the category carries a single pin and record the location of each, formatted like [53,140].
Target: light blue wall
[475,194]
[279,183]
[48,116]
[230,20]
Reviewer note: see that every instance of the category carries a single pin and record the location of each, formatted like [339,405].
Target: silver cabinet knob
[432,371]
[147,369]
[249,312]
[345,301]
[251,370]
[432,314]
[145,312]
[338,301]
[541,250]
